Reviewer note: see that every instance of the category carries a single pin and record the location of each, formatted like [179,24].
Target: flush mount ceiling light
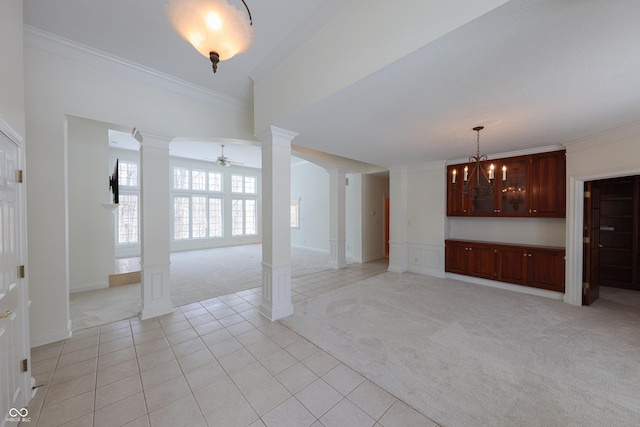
[217,29]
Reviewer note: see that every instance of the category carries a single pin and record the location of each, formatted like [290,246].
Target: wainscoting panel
[426,259]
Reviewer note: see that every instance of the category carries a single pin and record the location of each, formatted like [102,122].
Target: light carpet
[470,355]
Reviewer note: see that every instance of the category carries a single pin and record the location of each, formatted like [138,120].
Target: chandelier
[215,28]
[476,182]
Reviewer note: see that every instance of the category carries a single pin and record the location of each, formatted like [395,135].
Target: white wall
[426,218]
[310,185]
[90,221]
[12,69]
[68,84]
[353,217]
[526,231]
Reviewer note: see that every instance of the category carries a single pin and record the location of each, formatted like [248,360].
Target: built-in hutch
[528,186]
[525,186]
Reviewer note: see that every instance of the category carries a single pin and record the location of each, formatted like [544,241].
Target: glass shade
[211,26]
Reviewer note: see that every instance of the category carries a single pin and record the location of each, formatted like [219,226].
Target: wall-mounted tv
[113,184]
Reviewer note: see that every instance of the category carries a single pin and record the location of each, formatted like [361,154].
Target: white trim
[51,337]
[516,153]
[66,48]
[425,259]
[90,287]
[506,286]
[11,133]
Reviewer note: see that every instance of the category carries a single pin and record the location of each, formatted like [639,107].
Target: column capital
[276,136]
[337,172]
[151,140]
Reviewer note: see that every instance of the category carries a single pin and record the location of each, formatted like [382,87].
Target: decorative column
[276,215]
[398,192]
[155,181]
[337,218]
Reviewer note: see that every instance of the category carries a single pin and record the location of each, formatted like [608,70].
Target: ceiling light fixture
[217,29]
[481,181]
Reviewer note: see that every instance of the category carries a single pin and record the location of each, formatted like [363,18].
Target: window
[181,218]
[243,184]
[243,217]
[295,214]
[181,179]
[198,180]
[215,181]
[128,219]
[215,217]
[127,174]
[128,208]
[197,214]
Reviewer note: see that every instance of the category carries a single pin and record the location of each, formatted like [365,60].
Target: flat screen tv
[113,184]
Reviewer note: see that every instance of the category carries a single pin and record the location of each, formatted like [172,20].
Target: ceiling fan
[222,160]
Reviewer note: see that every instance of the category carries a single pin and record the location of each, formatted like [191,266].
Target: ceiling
[535,73]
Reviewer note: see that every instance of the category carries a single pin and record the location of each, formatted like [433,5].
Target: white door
[12,295]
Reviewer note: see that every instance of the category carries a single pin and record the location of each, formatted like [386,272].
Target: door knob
[6,314]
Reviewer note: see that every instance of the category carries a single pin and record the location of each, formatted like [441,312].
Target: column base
[337,254]
[156,291]
[276,292]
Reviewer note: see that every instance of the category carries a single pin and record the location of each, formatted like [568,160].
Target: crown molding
[56,45]
[10,132]
[525,152]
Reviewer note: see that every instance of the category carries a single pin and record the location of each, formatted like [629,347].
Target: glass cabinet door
[513,186]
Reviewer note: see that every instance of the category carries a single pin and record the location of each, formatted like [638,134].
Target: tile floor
[217,363]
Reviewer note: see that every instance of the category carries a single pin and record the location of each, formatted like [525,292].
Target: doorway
[611,236]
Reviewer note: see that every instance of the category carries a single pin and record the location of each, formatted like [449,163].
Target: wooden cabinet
[536,266]
[535,185]
[548,184]
[456,200]
[470,258]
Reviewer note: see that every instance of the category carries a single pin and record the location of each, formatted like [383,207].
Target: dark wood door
[548,188]
[511,265]
[456,200]
[513,191]
[456,257]
[545,269]
[482,261]
[591,246]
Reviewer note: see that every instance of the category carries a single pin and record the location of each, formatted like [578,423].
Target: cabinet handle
[524,254]
[529,255]
[535,210]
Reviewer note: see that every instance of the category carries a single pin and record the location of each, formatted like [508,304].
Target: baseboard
[89,287]
[507,286]
[50,338]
